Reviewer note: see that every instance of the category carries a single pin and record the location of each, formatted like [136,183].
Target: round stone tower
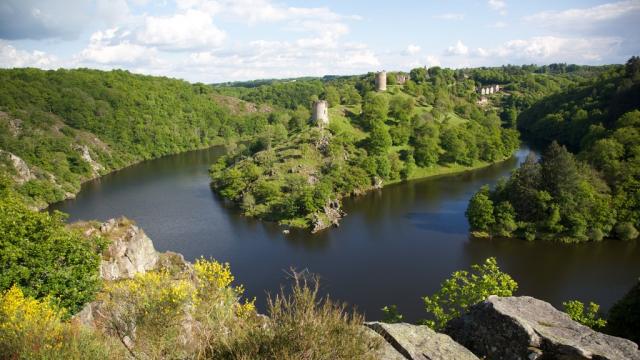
[320,112]
[381,81]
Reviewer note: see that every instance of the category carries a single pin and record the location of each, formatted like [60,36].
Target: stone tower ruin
[320,112]
[381,81]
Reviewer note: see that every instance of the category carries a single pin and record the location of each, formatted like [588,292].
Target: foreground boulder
[528,328]
[417,342]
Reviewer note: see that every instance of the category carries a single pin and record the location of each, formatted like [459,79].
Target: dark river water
[394,246]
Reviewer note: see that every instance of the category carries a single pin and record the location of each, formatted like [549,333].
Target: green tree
[505,217]
[332,96]
[379,138]
[42,256]
[479,213]
[418,75]
[466,288]
[624,316]
[374,109]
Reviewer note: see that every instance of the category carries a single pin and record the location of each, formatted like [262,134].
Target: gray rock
[22,171]
[386,351]
[528,328]
[130,251]
[420,342]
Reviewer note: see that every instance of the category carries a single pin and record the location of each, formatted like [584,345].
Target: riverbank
[72,195]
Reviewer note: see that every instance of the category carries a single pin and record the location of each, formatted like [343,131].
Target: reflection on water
[395,245]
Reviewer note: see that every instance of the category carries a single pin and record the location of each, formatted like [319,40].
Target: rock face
[528,328]
[331,215]
[23,173]
[418,342]
[96,167]
[130,251]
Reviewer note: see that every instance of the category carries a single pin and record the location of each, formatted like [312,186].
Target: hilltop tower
[320,112]
[381,81]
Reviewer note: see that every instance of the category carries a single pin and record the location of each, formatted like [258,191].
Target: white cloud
[11,57]
[449,16]
[262,59]
[604,12]
[192,29]
[457,49]
[498,5]
[412,49]
[545,49]
[107,47]
[432,60]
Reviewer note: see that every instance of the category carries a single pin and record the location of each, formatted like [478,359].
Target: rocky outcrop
[130,250]
[96,167]
[22,171]
[527,328]
[417,342]
[331,215]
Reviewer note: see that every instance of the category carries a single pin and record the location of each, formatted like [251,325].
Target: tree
[374,109]
[480,211]
[332,96]
[418,75]
[505,219]
[559,173]
[464,289]
[379,138]
[624,316]
[401,107]
[43,257]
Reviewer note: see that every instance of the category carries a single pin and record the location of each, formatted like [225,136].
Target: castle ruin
[320,112]
[381,81]
[402,78]
[488,90]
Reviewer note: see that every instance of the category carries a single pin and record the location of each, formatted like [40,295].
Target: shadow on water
[395,245]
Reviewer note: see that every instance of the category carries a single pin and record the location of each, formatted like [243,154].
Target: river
[395,246]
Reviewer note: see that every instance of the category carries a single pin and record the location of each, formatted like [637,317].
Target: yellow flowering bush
[215,290]
[35,329]
[26,322]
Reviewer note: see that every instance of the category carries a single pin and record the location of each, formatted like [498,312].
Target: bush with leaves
[164,315]
[44,257]
[466,288]
[35,329]
[624,316]
[589,317]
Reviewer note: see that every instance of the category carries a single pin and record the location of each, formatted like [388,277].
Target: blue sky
[225,40]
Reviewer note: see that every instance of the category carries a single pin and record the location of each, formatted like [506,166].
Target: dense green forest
[433,123]
[68,126]
[588,196]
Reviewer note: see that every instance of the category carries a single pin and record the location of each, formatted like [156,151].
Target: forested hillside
[59,128]
[435,122]
[590,196]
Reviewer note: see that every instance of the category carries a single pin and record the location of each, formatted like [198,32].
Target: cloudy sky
[225,40]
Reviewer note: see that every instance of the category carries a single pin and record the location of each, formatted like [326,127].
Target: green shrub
[45,258]
[464,289]
[588,317]
[626,231]
[624,316]
[35,329]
